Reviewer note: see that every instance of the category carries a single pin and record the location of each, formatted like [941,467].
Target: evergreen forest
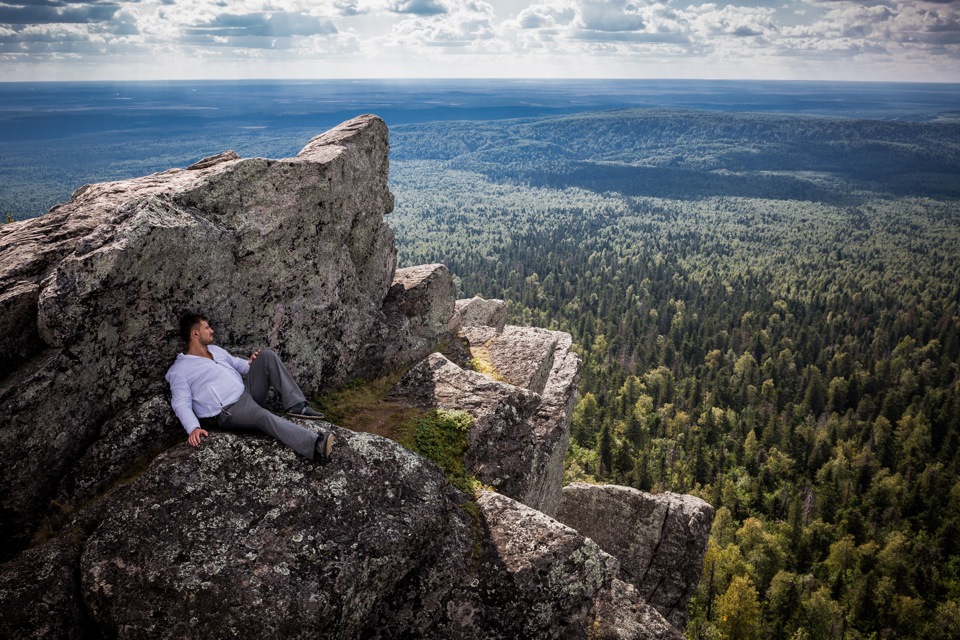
[767,311]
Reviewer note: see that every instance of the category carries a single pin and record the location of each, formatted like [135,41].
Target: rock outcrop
[659,539]
[290,254]
[541,361]
[143,536]
[521,411]
[478,312]
[502,441]
[242,535]
[419,318]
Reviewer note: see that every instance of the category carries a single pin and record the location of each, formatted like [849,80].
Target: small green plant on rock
[438,435]
[442,437]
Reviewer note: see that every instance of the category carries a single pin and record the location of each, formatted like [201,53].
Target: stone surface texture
[523,356]
[517,446]
[419,318]
[240,534]
[542,361]
[502,439]
[477,311]
[659,539]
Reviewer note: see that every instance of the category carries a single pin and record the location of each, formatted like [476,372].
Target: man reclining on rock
[212,388]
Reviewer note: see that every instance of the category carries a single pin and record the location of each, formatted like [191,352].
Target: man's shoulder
[177,367]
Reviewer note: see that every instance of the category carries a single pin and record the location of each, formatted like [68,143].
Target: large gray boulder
[544,362]
[659,539]
[291,254]
[478,312]
[521,407]
[241,536]
[557,582]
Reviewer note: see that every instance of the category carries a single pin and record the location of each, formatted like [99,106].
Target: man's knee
[264,358]
[268,354]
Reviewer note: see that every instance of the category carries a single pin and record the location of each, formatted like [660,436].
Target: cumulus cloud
[125,23]
[262,24]
[418,7]
[632,35]
[59,13]
[467,24]
[348,8]
[546,16]
[610,15]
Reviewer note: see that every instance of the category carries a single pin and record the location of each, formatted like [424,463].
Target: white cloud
[546,16]
[467,22]
[746,38]
[418,7]
[262,24]
[25,12]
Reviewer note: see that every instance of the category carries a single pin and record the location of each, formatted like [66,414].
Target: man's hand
[194,438]
[254,356]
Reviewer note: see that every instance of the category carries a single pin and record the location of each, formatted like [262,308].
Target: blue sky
[917,40]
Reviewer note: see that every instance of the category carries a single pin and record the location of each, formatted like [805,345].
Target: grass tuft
[438,435]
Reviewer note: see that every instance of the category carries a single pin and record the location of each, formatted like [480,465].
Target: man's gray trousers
[247,413]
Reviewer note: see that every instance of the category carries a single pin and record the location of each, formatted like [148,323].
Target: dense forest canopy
[767,310]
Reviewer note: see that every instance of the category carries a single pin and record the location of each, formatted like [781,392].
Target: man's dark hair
[187,322]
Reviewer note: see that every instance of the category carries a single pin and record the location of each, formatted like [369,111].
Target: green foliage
[738,611]
[438,435]
[442,436]
[776,331]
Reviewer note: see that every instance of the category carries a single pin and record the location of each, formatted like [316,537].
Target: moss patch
[440,436]
[481,363]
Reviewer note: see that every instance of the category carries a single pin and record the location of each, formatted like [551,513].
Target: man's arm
[182,403]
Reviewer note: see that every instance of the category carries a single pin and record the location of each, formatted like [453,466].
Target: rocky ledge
[114,527]
[660,539]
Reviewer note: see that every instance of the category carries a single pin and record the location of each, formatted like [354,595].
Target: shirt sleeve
[241,365]
[182,402]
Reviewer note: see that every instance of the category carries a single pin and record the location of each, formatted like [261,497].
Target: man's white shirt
[201,387]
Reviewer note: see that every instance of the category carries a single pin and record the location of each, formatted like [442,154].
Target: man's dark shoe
[324,447]
[305,411]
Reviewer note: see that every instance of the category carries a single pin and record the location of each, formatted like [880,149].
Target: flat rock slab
[659,539]
[524,355]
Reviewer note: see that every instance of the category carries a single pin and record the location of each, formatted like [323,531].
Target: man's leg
[268,371]
[246,413]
